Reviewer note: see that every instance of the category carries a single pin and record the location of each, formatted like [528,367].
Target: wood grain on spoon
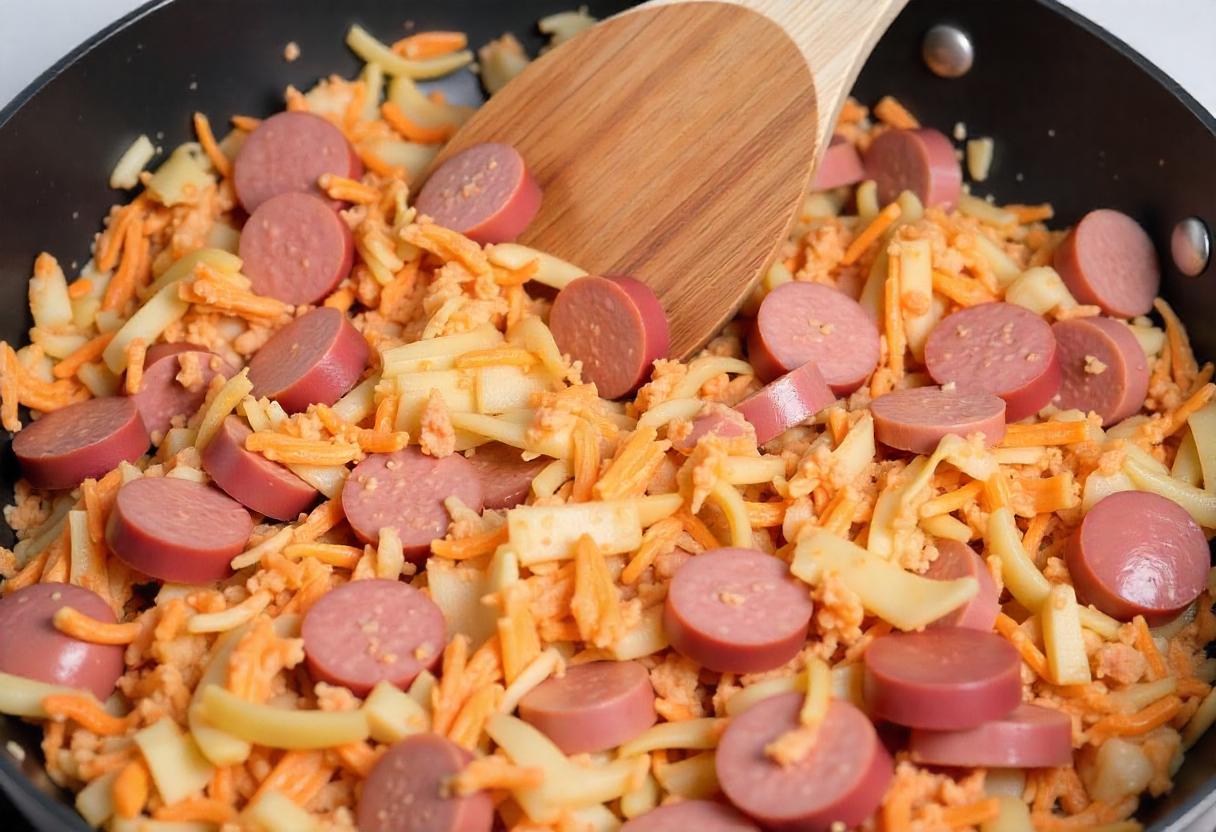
[674,142]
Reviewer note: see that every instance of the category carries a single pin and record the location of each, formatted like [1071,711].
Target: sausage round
[316,358]
[1029,737]
[917,418]
[251,479]
[82,440]
[958,560]
[946,679]
[722,425]
[921,161]
[34,649]
[736,611]
[289,152]
[177,530]
[790,400]
[485,192]
[505,477]
[1104,368]
[841,165]
[1001,348]
[407,790]
[1137,553]
[841,779]
[809,322]
[593,707]
[296,248]
[406,490]
[161,396]
[699,815]
[615,325]
[1108,260]
[370,631]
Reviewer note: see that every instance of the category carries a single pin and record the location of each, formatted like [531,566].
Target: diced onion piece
[505,387]
[182,177]
[131,163]
[985,212]
[1014,816]
[1005,781]
[1098,486]
[373,51]
[856,451]
[1040,290]
[54,345]
[947,526]
[751,470]
[1099,622]
[703,369]
[1003,266]
[392,714]
[279,727]
[1023,579]
[979,158]
[1121,769]
[50,305]
[328,479]
[1067,663]
[457,590]
[905,600]
[510,433]
[420,109]
[412,157]
[1203,719]
[177,766]
[98,379]
[552,477]
[691,778]
[1151,338]
[1203,429]
[455,387]
[501,60]
[360,402]
[20,696]
[95,802]
[645,638]
[551,271]
[1187,466]
[728,499]
[224,403]
[867,200]
[916,279]
[562,26]
[762,690]
[543,533]
[274,812]
[688,733]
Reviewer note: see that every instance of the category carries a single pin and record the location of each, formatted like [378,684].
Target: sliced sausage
[841,780]
[34,649]
[82,440]
[790,400]
[947,679]
[177,530]
[841,165]
[407,790]
[485,192]
[371,631]
[251,479]
[958,560]
[916,419]
[724,425]
[406,490]
[1104,368]
[699,815]
[296,248]
[1137,553]
[316,358]
[998,347]
[921,161]
[1030,737]
[800,323]
[615,325]
[1108,260]
[505,477]
[593,707]
[161,394]
[736,611]
[290,152]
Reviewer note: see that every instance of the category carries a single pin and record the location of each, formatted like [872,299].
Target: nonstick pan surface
[1079,119]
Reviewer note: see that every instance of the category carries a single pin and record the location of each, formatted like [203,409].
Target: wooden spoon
[675,141]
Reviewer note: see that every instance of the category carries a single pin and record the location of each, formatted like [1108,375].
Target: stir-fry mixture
[335,514]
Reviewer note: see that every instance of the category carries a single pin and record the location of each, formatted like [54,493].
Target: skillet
[1080,120]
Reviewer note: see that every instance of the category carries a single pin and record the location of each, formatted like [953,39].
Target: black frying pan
[1080,120]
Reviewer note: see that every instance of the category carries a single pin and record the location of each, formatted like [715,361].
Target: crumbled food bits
[1094,365]
[291,51]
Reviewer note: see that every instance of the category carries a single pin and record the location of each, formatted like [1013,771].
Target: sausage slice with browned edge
[998,347]
[1104,368]
[1108,260]
[370,631]
[736,611]
[289,152]
[250,478]
[177,530]
[947,679]
[699,815]
[615,325]
[505,477]
[485,192]
[840,780]
[407,790]
[1137,553]
[921,161]
[593,707]
[841,165]
[1029,737]
[405,490]
[34,649]
[296,248]
[917,418]
[789,400]
[809,322]
[175,382]
[82,440]
[315,359]
[958,560]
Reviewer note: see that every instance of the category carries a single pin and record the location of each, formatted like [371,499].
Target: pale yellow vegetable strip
[818,692]
[437,353]
[1022,577]
[688,733]
[1067,662]
[234,616]
[751,470]
[552,477]
[510,433]
[1203,432]
[552,271]
[669,411]
[654,507]
[692,778]
[1200,504]
[278,727]
[373,51]
[1201,721]
[730,501]
[642,799]
[1187,466]
[273,812]
[916,285]
[225,401]
[1099,622]
[23,697]
[1135,697]
[220,747]
[947,526]
[703,369]
[535,672]
[541,533]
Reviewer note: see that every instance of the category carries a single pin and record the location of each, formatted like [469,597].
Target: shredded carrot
[656,540]
[886,217]
[586,463]
[972,814]
[425,45]
[1048,494]
[963,290]
[136,352]
[1045,433]
[335,554]
[473,546]
[494,772]
[80,287]
[1141,722]
[953,500]
[412,131]
[199,809]
[341,299]
[130,789]
[697,529]
[1148,648]
[91,350]
[1016,636]
[320,520]
[376,164]
[295,100]
[838,424]
[358,757]
[72,622]
[1183,365]
[347,190]
[893,321]
[202,129]
[996,492]
[1197,401]
[292,450]
[889,111]
[495,357]
[86,712]
[208,288]
[121,287]
[246,123]
[112,241]
[292,769]
[1027,214]
[635,465]
[765,515]
[1033,538]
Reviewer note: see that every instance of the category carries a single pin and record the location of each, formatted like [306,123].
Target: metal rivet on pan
[1191,246]
[947,51]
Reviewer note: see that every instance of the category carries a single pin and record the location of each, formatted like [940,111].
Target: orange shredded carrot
[130,789]
[963,290]
[347,190]
[121,287]
[86,712]
[586,462]
[952,500]
[292,450]
[386,413]
[199,809]
[210,289]
[293,767]
[320,520]
[80,287]
[996,492]
[886,217]
[838,423]
[29,574]
[1197,401]
[335,554]
[765,515]
[111,242]
[411,131]
[1141,722]
[91,350]
[425,45]
[697,529]
[1016,636]
[1148,649]
[222,787]
[295,100]
[1027,214]
[889,111]
[246,123]
[972,814]
[1183,365]
[358,757]
[656,540]
[473,546]
[342,300]
[1033,538]
[494,772]
[202,129]
[72,622]
[1045,433]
